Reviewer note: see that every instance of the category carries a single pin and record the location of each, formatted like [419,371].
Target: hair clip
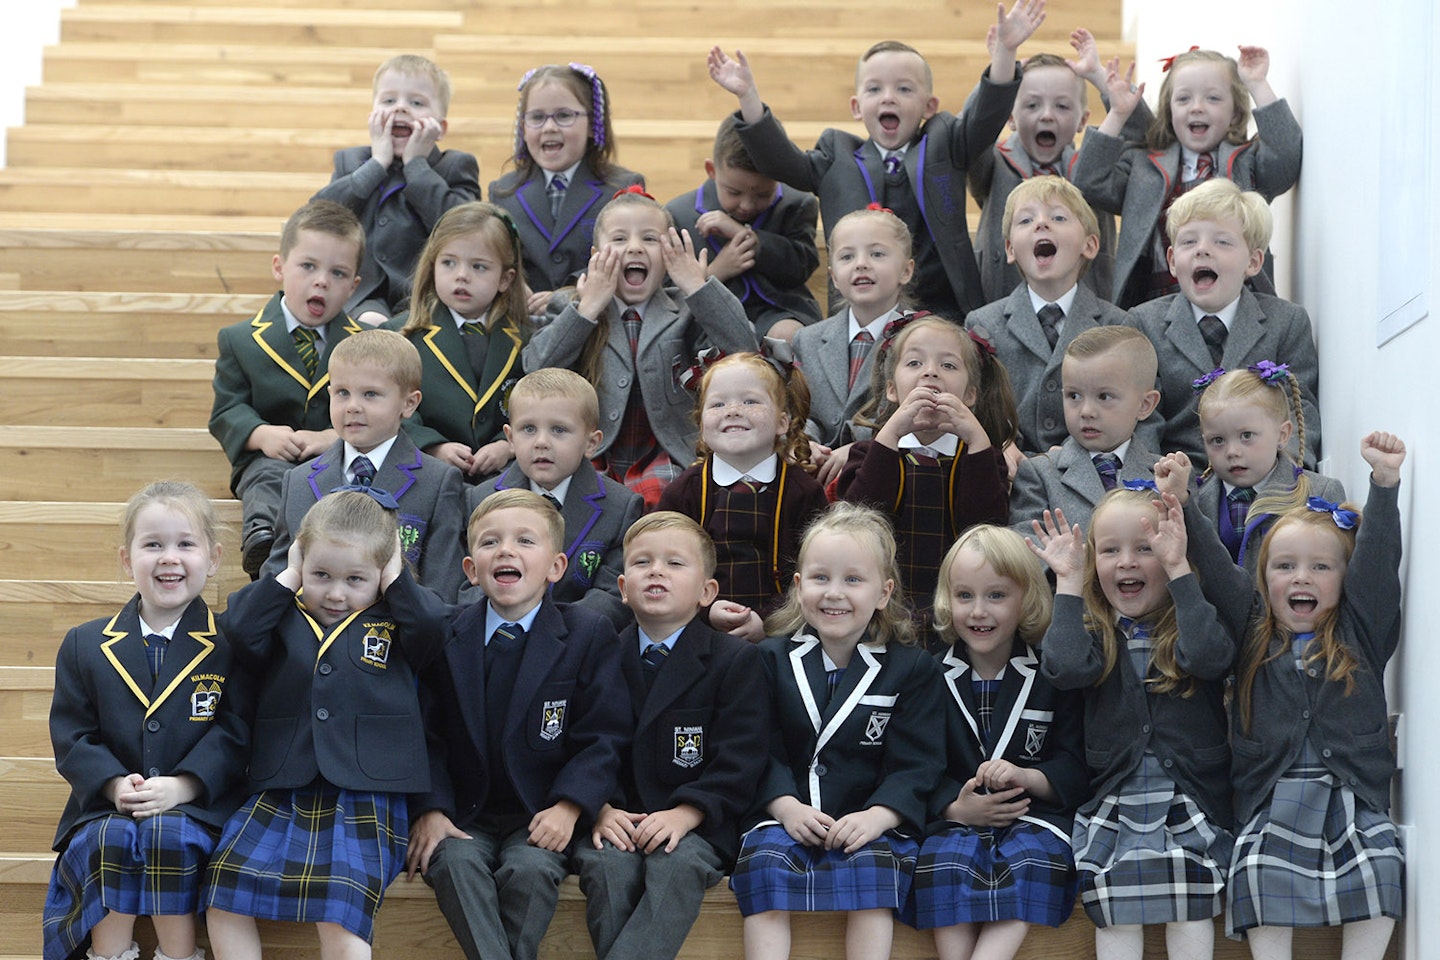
[1141,484]
[987,349]
[1275,374]
[1344,519]
[892,329]
[1169,61]
[634,188]
[689,378]
[597,102]
[526,78]
[509,221]
[1200,383]
[879,208]
[780,355]
[382,497]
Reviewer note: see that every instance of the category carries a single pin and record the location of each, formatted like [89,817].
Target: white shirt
[148,631]
[460,321]
[763,472]
[376,456]
[568,173]
[1065,302]
[945,445]
[560,490]
[875,327]
[1225,313]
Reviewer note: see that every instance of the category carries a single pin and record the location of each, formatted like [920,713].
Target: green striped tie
[305,345]
[473,327]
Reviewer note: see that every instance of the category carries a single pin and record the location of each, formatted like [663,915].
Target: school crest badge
[1035,740]
[587,563]
[689,746]
[412,536]
[875,727]
[204,699]
[375,647]
[552,719]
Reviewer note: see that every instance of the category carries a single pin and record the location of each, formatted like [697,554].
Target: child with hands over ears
[852,759]
[1134,633]
[145,731]
[1309,725]
[750,490]
[998,856]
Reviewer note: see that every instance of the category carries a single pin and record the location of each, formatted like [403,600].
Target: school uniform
[1263,328]
[557,249]
[756,531]
[822,352]
[429,492]
[847,173]
[702,728]
[1135,183]
[465,381]
[564,725]
[873,741]
[260,379]
[776,288]
[1068,479]
[1153,841]
[338,741]
[398,206]
[1024,871]
[597,512]
[1312,771]
[112,717]
[1014,330]
[1211,501]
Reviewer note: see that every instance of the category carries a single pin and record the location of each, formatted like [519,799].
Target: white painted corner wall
[29,26]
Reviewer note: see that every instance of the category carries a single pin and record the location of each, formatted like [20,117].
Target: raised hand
[1017,26]
[1172,475]
[686,270]
[1061,547]
[1385,452]
[1167,537]
[1086,64]
[596,285]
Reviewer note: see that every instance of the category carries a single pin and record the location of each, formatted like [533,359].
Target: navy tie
[556,190]
[155,645]
[1108,466]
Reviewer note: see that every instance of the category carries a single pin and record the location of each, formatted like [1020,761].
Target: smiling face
[317,276]
[739,418]
[169,560]
[1130,576]
[553,147]
[743,194]
[1304,573]
[410,97]
[892,97]
[337,580]
[513,559]
[469,275]
[1211,261]
[367,405]
[551,437]
[985,610]
[840,586]
[665,582]
[1049,111]
[1243,441]
[868,266]
[1049,245]
[1103,400]
[1202,105]
[637,232]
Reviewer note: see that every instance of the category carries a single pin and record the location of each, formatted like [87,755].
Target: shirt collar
[377,456]
[945,445]
[148,631]
[493,620]
[899,151]
[568,172]
[1225,313]
[1064,302]
[763,472]
[560,490]
[1119,452]
[668,643]
[1225,487]
[1190,163]
[460,321]
[621,306]
[876,326]
[291,322]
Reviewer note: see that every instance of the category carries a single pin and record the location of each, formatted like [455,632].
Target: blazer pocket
[1097,759]
[1247,748]
[683,745]
[388,746]
[1211,756]
[1380,738]
[272,739]
[547,717]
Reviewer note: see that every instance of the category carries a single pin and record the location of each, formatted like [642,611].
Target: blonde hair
[1220,199]
[498,231]
[871,529]
[1007,554]
[384,349]
[352,519]
[522,500]
[669,520]
[177,495]
[1049,189]
[558,383]
[1161,133]
[789,394]
[1281,401]
[895,46]
[414,65]
[326,217]
[899,233]
[1136,348]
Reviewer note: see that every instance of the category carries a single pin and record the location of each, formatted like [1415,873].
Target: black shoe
[255,556]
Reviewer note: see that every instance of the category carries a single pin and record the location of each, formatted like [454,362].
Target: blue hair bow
[1142,485]
[1344,519]
[382,497]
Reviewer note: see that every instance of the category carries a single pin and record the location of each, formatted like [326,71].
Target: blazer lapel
[467,670]
[193,642]
[854,685]
[957,679]
[124,648]
[684,666]
[1246,330]
[583,506]
[277,343]
[401,468]
[1078,473]
[443,341]
[580,197]
[1183,332]
[1024,325]
[835,364]
[1014,694]
[327,471]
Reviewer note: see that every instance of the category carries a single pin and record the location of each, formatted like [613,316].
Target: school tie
[472,328]
[1050,316]
[654,655]
[155,645]
[507,636]
[551,499]
[363,470]
[1237,509]
[860,348]
[832,683]
[1214,332]
[1046,170]
[556,192]
[631,319]
[305,346]
[894,163]
[746,484]
[1204,168]
[1108,466]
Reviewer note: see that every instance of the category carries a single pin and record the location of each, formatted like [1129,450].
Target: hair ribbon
[780,355]
[634,188]
[1168,62]
[382,497]
[597,101]
[1200,383]
[879,208]
[689,378]
[1275,374]
[1344,519]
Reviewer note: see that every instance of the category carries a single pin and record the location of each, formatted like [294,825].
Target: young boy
[555,430]
[271,409]
[761,237]
[1108,378]
[914,159]
[1052,237]
[374,386]
[402,182]
[1218,237]
[702,718]
[525,714]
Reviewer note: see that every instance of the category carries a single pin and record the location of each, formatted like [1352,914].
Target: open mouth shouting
[315,307]
[636,273]
[889,122]
[1045,251]
[1204,278]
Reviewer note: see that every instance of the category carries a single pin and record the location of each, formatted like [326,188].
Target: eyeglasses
[535,119]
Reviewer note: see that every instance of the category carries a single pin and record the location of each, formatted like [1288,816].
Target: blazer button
[614,415]
[1311,672]
[1168,763]
[623,382]
[821,770]
[1048,423]
[382,257]
[1325,753]
[557,258]
[381,221]
[1305,714]
[1145,728]
[153,726]
[155,772]
[325,669]
[322,714]
[1051,386]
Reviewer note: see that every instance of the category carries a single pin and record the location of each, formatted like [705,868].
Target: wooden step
[206,261]
[50,323]
[107,391]
[25,694]
[101,463]
[214,193]
[30,787]
[154,23]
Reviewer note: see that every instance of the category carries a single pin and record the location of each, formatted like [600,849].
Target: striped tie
[473,327]
[1212,328]
[1108,466]
[631,319]
[1050,316]
[155,645]
[654,655]
[1204,168]
[363,470]
[305,338]
[859,350]
[893,163]
[556,191]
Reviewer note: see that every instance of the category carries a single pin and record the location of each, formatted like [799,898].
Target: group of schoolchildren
[606,554]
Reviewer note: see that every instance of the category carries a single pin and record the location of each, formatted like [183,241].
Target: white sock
[199,954]
[1270,943]
[133,953]
[1125,942]
[1190,940]
[1366,939]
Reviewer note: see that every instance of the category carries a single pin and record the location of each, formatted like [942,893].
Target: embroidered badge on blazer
[875,727]
[552,719]
[587,561]
[205,698]
[1037,724]
[689,746]
[375,646]
[412,535]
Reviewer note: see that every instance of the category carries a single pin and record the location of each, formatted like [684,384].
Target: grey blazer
[1068,479]
[1280,480]
[823,353]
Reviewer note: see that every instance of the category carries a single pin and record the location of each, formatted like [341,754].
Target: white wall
[29,25]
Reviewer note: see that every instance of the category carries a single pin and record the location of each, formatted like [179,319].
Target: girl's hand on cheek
[686,271]
[596,285]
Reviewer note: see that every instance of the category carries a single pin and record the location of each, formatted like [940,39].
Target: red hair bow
[634,188]
[986,347]
[1169,61]
[876,206]
[893,328]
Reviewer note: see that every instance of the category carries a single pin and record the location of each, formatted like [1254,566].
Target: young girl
[870,266]
[469,324]
[1309,725]
[144,731]
[564,173]
[1200,130]
[998,855]
[335,639]
[1246,422]
[1132,631]
[750,490]
[633,340]
[854,759]
[937,400]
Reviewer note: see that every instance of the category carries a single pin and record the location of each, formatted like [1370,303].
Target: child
[555,428]
[761,237]
[1052,236]
[1199,133]
[1218,237]
[852,757]
[870,264]
[469,324]
[1133,631]
[750,490]
[913,160]
[270,407]
[144,731]
[998,857]
[401,184]
[1245,423]
[335,639]
[374,386]
[564,174]
[525,717]
[1310,727]
[632,340]
[701,739]
[1108,378]
[932,465]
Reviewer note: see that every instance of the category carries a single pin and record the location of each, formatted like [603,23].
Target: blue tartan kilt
[977,875]
[775,872]
[145,868]
[318,854]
